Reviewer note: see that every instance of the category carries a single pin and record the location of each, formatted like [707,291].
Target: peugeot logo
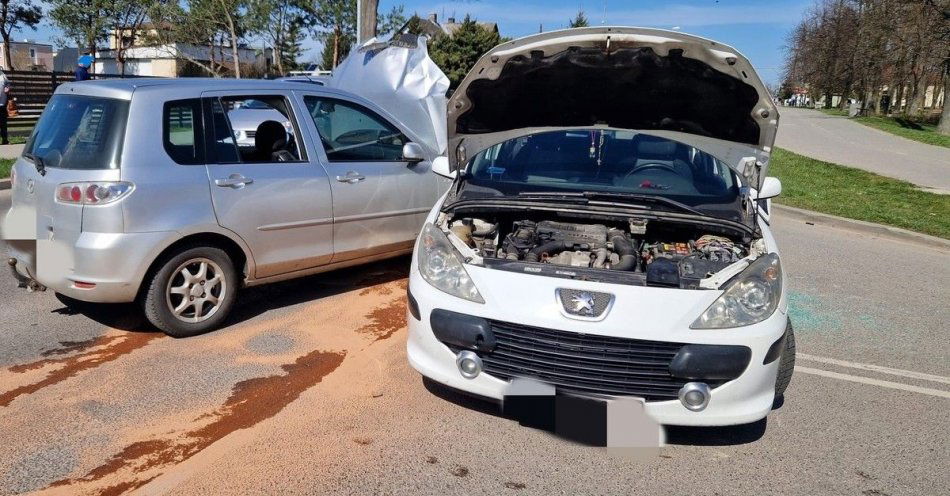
[30,186]
[583,303]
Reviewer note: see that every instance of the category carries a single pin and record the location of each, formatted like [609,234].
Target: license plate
[616,422]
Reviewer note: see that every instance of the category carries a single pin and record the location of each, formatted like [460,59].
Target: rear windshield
[79,132]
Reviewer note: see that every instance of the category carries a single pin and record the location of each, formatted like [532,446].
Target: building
[28,55]
[431,28]
[64,59]
[144,57]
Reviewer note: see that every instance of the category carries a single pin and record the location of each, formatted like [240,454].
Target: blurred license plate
[595,421]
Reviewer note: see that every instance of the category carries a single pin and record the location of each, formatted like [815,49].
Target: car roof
[184,87]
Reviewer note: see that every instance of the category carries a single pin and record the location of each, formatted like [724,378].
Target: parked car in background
[175,193]
[246,115]
[607,230]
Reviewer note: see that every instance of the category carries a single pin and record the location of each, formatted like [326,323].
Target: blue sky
[757,28]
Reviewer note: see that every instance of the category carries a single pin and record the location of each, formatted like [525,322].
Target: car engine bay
[653,252]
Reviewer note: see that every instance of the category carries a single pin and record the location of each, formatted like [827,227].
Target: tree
[335,26]
[280,23]
[195,28]
[862,48]
[579,21]
[14,15]
[457,54]
[125,19]
[83,21]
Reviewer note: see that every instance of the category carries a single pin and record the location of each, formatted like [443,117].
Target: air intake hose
[551,248]
[628,254]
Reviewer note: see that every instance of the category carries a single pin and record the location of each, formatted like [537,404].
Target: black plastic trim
[775,351]
[710,362]
[463,331]
[413,305]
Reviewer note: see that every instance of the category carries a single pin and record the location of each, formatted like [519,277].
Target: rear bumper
[114,262]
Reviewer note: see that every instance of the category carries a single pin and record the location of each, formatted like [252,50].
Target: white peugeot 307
[607,230]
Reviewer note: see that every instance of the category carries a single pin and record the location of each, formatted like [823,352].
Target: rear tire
[787,363]
[192,292]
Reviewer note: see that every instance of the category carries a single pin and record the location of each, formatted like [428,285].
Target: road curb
[4,184]
[862,226]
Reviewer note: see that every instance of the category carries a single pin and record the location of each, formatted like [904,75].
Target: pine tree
[579,21]
[457,54]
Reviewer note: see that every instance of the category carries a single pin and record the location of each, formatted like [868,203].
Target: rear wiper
[37,162]
[644,198]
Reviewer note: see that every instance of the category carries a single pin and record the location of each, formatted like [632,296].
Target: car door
[380,200]
[264,185]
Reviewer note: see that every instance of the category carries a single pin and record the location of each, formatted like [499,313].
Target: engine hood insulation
[628,78]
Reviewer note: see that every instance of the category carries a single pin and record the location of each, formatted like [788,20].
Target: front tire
[787,363]
[192,292]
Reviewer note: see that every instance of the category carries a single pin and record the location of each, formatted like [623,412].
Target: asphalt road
[309,392]
[841,141]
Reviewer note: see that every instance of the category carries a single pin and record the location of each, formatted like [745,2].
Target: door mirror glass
[441,167]
[412,152]
[771,187]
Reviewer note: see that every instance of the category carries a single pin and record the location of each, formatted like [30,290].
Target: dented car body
[607,230]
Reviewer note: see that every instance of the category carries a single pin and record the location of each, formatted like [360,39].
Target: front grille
[585,363]
[251,133]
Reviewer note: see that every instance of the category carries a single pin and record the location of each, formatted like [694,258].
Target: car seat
[270,141]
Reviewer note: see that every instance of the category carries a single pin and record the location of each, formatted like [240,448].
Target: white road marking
[875,368]
[874,382]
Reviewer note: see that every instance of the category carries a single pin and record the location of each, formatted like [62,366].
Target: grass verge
[917,131]
[905,128]
[837,190]
[5,165]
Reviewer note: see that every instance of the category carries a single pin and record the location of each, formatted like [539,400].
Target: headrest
[269,134]
[653,147]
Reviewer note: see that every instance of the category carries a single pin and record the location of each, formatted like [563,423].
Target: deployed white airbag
[400,77]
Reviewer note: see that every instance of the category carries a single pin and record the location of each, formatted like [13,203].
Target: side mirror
[441,167]
[413,153]
[771,187]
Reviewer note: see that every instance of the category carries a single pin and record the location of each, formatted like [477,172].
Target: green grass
[834,111]
[917,131]
[5,165]
[834,189]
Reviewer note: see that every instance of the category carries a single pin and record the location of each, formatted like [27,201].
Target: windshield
[608,161]
[79,132]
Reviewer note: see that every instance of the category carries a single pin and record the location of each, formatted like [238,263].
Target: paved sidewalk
[841,141]
[11,151]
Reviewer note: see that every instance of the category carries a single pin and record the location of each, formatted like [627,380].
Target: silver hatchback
[150,191]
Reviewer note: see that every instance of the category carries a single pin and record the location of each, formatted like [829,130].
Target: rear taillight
[93,193]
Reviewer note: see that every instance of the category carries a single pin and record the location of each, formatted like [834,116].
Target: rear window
[79,132]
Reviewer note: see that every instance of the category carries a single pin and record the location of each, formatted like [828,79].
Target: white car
[607,230]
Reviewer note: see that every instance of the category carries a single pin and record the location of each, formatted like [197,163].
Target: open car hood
[665,83]
[399,76]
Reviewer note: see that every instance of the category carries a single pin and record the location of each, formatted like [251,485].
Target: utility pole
[366,20]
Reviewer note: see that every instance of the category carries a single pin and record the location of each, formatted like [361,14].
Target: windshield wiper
[644,198]
[37,162]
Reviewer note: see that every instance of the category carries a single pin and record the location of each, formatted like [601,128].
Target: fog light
[469,364]
[694,396]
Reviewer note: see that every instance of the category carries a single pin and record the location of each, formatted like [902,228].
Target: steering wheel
[650,165]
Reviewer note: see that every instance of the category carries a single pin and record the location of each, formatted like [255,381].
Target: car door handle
[351,177]
[233,181]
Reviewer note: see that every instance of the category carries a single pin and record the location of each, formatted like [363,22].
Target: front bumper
[745,399]
[114,262]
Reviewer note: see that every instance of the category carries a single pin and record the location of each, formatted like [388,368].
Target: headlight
[751,298]
[441,266]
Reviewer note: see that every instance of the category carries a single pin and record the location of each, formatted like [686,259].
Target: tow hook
[31,285]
